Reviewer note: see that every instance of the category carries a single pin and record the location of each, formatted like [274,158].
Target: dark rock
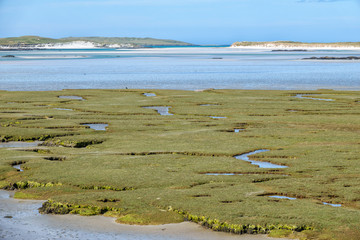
[333,58]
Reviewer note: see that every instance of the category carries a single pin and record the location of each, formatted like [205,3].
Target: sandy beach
[284,47]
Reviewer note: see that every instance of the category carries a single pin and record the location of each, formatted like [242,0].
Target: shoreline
[289,48]
[21,219]
[349,89]
[255,47]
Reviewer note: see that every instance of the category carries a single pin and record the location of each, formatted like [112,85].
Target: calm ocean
[176,68]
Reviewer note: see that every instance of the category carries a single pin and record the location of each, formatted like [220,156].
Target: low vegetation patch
[55,158]
[51,207]
[30,184]
[217,225]
[71,144]
[107,188]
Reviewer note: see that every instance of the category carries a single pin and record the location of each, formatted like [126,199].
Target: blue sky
[195,21]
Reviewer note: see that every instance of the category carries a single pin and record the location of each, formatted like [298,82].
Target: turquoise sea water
[176,68]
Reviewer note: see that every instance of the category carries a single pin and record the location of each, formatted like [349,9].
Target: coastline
[281,47]
[26,222]
[256,47]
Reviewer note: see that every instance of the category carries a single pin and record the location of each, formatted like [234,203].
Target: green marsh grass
[148,162]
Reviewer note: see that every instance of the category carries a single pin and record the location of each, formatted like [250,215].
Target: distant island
[285,45]
[36,42]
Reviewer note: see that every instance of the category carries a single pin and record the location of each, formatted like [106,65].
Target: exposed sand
[26,223]
[51,57]
[284,47]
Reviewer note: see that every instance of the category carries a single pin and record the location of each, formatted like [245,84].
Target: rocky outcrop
[333,58]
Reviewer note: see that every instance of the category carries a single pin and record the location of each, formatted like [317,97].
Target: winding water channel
[331,204]
[283,197]
[308,96]
[245,157]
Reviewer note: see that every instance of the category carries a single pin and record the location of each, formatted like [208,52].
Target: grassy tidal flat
[145,167]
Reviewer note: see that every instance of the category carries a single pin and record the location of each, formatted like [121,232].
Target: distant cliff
[297,45]
[36,42]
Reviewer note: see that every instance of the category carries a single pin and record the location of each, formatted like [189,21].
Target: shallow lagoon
[176,68]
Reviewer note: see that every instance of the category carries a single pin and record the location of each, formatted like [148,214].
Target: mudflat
[20,220]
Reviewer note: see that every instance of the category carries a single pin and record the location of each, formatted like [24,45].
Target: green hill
[128,40]
[138,42]
[27,40]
